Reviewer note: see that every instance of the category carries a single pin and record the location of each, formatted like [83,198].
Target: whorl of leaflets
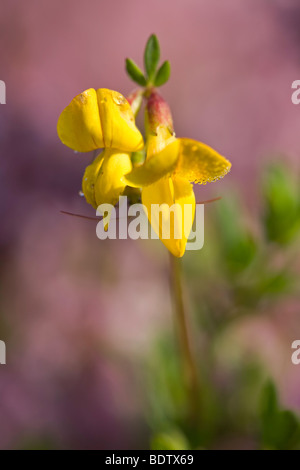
[152,77]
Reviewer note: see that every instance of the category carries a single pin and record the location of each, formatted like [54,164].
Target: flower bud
[135,99]
[158,114]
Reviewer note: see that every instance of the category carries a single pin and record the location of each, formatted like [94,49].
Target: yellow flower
[172,164]
[101,119]
[104,119]
[103,181]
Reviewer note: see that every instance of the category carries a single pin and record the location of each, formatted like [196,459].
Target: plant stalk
[183,334]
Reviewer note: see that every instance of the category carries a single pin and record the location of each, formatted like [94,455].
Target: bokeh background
[88,324]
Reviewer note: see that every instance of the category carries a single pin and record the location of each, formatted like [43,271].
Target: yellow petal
[110,182]
[158,141]
[79,124]
[117,121]
[89,179]
[199,163]
[155,167]
[171,223]
[96,119]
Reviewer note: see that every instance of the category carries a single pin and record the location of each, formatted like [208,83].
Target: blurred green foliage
[281,193]
[247,264]
[174,440]
[280,428]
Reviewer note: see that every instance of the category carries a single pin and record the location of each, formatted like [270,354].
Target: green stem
[188,359]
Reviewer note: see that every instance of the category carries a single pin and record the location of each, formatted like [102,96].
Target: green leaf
[269,400]
[237,242]
[274,283]
[163,74]
[280,428]
[281,204]
[135,72]
[173,440]
[151,56]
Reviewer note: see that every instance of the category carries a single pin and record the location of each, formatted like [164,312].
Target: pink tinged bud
[158,113]
[135,99]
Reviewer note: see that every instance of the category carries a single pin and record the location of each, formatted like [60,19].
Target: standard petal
[170,204]
[89,179]
[155,167]
[79,124]
[117,121]
[199,163]
[96,119]
[110,182]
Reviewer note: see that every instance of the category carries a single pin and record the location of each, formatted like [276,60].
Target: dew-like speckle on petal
[201,164]
[82,97]
[118,99]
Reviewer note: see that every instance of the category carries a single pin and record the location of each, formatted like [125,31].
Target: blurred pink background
[76,313]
